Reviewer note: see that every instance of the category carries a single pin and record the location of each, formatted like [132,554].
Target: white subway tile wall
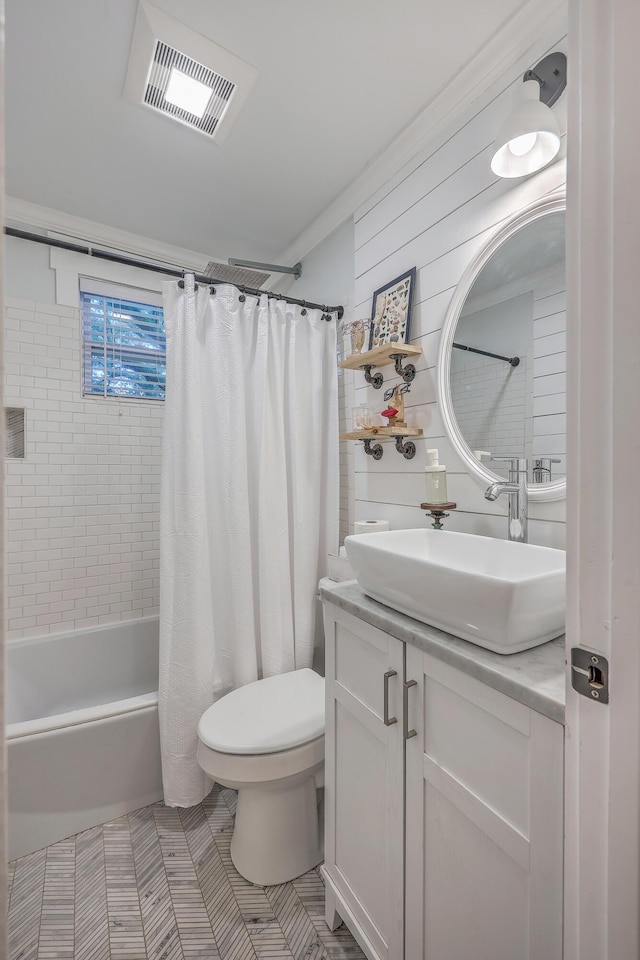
[490,402]
[83,506]
[436,213]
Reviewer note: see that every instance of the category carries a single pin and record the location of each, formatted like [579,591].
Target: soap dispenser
[436,477]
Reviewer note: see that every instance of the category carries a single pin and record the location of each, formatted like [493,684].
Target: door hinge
[590,674]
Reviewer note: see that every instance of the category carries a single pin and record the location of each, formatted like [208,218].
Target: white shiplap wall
[550,374]
[435,214]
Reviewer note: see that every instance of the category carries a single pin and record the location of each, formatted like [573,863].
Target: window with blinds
[124,349]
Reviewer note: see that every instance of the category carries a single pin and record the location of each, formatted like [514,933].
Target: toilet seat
[268,716]
[241,769]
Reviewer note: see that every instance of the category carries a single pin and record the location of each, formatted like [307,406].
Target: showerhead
[240,276]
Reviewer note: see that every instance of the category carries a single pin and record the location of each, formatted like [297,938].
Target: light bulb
[529,138]
[187,93]
[521,145]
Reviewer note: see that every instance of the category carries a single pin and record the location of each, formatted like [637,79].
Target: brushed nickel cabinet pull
[387,719]
[405,709]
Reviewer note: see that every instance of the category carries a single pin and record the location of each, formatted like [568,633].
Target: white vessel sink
[500,595]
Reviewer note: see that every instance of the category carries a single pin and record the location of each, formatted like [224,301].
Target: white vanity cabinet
[484,821]
[445,844]
[364,771]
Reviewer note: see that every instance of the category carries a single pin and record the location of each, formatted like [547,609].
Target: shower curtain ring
[181,283]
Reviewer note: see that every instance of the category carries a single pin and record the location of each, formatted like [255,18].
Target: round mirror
[502,361]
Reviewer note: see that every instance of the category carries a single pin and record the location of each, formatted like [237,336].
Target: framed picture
[391,311]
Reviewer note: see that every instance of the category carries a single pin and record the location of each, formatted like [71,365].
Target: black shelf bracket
[373,449]
[407,373]
[375,380]
[406,447]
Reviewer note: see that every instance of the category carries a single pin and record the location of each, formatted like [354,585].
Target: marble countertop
[535,677]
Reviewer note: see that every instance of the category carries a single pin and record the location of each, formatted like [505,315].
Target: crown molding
[23,213]
[513,41]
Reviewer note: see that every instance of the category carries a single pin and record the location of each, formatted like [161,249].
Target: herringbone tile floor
[159,883]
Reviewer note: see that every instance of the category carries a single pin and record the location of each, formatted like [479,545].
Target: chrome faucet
[516,488]
[541,470]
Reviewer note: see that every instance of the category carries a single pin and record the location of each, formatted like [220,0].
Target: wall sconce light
[530,137]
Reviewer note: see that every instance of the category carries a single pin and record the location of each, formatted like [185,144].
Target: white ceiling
[539,246]
[337,82]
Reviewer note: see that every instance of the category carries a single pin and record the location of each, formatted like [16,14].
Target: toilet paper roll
[370,526]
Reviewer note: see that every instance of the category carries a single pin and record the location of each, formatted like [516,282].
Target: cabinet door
[364,815]
[484,822]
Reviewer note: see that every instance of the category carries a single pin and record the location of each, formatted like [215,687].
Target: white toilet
[266,740]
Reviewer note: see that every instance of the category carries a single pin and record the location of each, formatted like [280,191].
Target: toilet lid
[273,714]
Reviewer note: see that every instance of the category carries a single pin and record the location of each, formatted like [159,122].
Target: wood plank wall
[435,214]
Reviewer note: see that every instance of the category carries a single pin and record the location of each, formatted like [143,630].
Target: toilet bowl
[266,740]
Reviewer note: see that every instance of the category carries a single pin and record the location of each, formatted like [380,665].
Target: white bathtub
[82,730]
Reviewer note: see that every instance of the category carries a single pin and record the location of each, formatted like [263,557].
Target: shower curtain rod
[514,361]
[132,261]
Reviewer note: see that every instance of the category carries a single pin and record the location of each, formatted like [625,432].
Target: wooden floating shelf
[380,356]
[382,433]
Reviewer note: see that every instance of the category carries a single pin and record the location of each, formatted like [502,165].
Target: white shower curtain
[249,503]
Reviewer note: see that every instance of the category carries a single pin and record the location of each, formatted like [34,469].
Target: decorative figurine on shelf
[357,330]
[395,411]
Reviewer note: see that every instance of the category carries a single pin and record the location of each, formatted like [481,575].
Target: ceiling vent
[241,276]
[185,75]
[165,61]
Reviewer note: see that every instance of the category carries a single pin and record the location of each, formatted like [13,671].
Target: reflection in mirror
[514,403]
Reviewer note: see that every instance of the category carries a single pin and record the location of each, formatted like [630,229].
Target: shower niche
[14,419]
